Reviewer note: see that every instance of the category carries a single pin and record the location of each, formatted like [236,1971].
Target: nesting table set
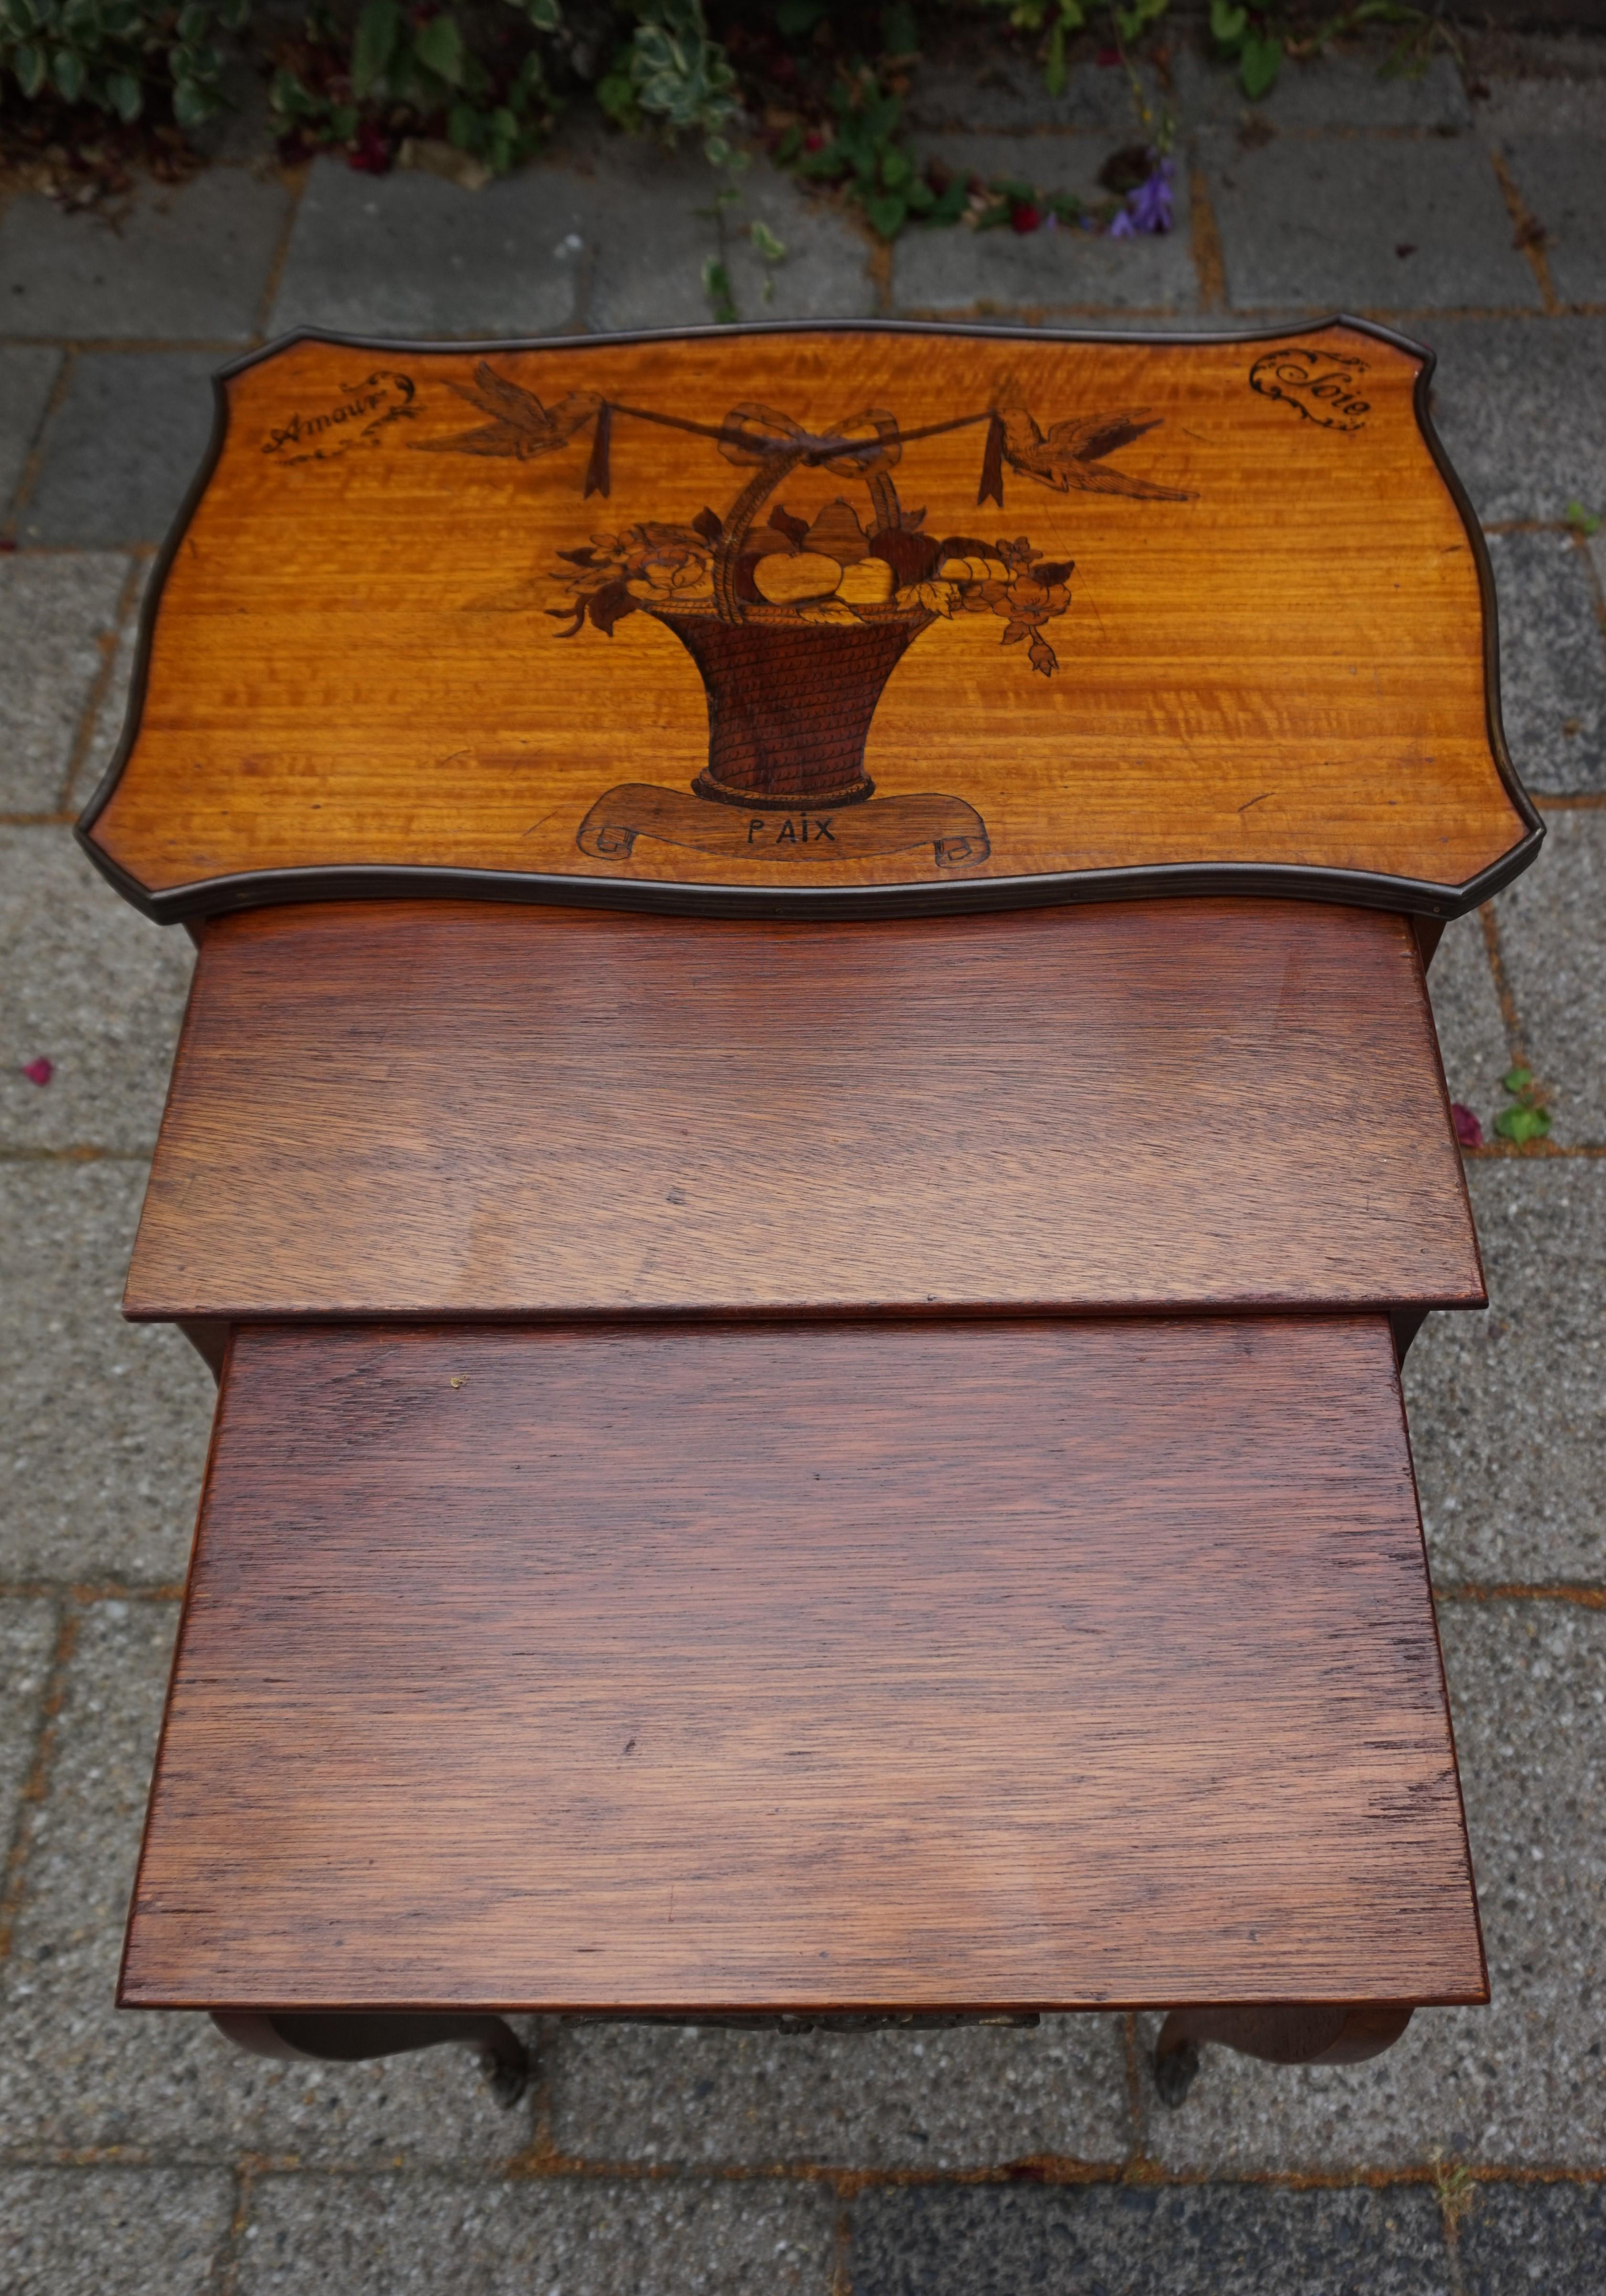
[806,1141]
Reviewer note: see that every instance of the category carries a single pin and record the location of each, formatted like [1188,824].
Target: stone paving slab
[57,618]
[76,2071]
[974,84]
[387,2236]
[1317,224]
[92,987]
[1508,1408]
[179,262]
[1519,2083]
[1552,663]
[28,374]
[940,272]
[1535,2237]
[27,1641]
[414,256]
[1520,404]
[1563,180]
[121,449]
[955,2100]
[1554,94]
[1239,2241]
[1467,1020]
[107,1422]
[1552,930]
[640,271]
[112,2231]
[1327,92]
[825,274]
[105,729]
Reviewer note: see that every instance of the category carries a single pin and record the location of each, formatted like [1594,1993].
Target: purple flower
[1149,208]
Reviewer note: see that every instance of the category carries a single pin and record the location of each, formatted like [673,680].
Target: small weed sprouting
[1528,1119]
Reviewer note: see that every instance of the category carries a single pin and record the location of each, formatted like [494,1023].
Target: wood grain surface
[1016,1666]
[910,611]
[420,1108]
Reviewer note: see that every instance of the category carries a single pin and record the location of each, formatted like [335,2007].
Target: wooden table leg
[1308,2034]
[345,2039]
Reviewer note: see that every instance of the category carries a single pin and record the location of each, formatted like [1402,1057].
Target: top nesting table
[838,620]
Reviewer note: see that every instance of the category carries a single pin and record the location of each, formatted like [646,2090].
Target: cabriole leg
[1308,2034]
[345,2039]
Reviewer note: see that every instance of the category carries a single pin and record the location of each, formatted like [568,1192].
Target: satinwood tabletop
[835,617]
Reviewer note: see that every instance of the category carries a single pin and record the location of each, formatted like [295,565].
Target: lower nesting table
[769,1644]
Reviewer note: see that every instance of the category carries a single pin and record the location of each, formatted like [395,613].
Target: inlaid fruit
[838,534]
[869,583]
[973,570]
[796,581]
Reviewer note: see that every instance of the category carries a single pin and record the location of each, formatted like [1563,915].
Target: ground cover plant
[474,87]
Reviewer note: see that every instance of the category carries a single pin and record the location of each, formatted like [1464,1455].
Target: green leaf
[615,93]
[919,197]
[125,93]
[18,17]
[887,213]
[67,70]
[951,203]
[29,65]
[544,15]
[192,105]
[1583,521]
[1258,64]
[789,146]
[717,287]
[235,15]
[796,19]
[291,97]
[466,128]
[770,248]
[194,21]
[1516,1079]
[373,44]
[897,167]
[899,35]
[438,45]
[1522,1124]
[342,121]
[1054,71]
[1228,24]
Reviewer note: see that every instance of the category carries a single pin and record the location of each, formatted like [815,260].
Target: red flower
[370,155]
[39,1071]
[1025,218]
[1468,1130]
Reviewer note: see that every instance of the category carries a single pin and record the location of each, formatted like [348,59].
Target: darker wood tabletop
[406,1109]
[1019,1665]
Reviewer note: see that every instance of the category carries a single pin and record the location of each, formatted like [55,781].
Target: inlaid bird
[1072,454]
[520,426]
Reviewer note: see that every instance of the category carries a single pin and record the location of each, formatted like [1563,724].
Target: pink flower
[39,1071]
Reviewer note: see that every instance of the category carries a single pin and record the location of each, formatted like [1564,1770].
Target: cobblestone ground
[141,2153]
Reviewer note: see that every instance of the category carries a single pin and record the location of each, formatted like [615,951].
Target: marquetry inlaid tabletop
[841,616]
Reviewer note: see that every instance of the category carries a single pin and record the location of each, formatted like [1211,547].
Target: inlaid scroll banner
[843,618]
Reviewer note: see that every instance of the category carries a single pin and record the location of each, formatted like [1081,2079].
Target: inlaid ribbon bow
[864,446]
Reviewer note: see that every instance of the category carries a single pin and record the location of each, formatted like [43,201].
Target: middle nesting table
[416,1110]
